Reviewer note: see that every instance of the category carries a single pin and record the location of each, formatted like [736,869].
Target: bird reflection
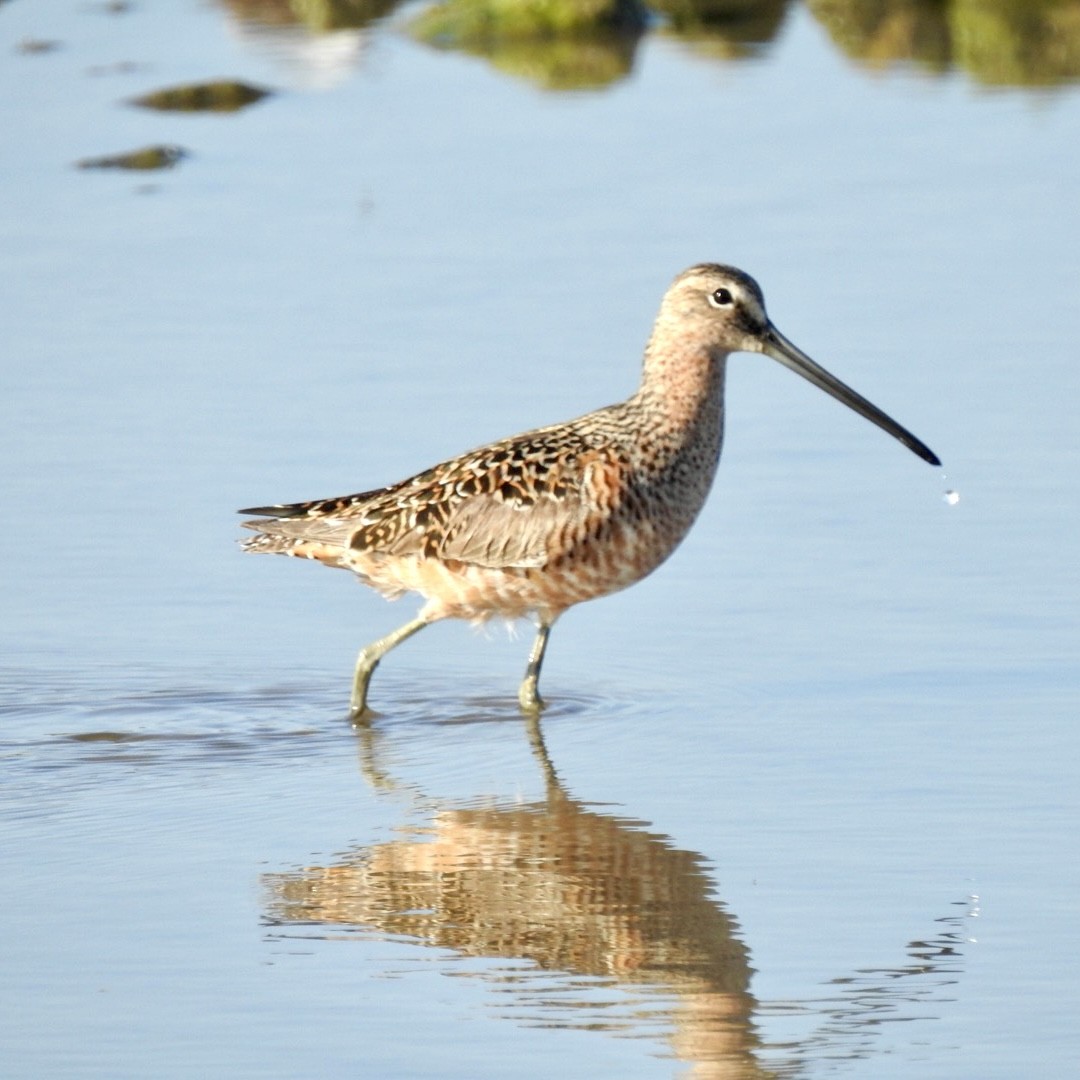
[613,928]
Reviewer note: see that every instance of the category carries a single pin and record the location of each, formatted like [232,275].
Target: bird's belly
[463,590]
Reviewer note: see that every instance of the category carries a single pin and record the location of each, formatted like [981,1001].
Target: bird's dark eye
[721,298]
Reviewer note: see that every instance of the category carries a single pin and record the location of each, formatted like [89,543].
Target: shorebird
[531,525]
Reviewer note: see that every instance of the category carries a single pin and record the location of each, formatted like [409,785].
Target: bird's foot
[365,668]
[529,696]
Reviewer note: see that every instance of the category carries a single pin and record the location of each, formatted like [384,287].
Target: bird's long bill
[780,349]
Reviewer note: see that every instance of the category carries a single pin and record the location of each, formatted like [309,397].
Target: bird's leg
[529,694]
[369,658]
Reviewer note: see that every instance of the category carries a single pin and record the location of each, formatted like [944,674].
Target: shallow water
[804,802]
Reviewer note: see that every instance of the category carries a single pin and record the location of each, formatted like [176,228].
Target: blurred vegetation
[724,29]
[146,159]
[478,20]
[1017,42]
[571,44]
[319,16]
[221,96]
[559,44]
[996,42]
[37,46]
[882,32]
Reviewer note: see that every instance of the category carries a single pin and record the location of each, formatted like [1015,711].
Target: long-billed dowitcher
[536,523]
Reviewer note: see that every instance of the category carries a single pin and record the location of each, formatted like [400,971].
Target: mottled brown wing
[519,503]
[328,521]
[496,531]
[499,510]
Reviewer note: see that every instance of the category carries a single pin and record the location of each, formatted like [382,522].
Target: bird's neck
[682,392]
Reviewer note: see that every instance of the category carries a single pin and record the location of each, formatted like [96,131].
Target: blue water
[804,802]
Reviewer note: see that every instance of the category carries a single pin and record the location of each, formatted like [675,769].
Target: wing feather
[520,503]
